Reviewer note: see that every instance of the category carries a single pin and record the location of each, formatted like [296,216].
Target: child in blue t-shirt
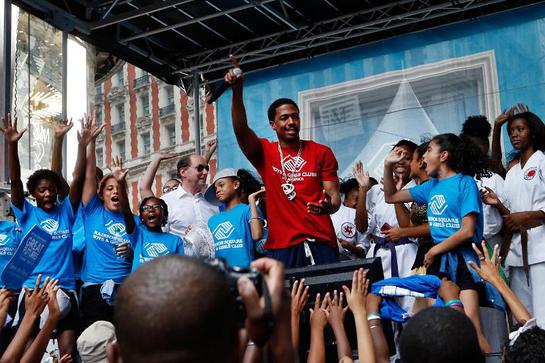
[108,225]
[455,217]
[238,226]
[150,241]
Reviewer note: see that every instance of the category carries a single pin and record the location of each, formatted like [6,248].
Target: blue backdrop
[429,81]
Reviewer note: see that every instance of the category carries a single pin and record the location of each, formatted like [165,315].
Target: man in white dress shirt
[186,205]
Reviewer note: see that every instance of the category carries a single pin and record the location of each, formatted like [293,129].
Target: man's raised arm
[246,137]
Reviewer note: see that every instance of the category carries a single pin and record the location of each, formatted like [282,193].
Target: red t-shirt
[289,222]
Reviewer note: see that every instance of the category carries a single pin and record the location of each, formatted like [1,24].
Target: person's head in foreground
[527,346]
[175,309]
[92,343]
[440,335]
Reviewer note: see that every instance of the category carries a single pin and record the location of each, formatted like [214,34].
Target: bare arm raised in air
[356,299]
[61,129]
[246,137]
[490,272]
[12,137]
[364,182]
[149,175]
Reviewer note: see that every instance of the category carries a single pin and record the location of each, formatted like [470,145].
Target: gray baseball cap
[210,194]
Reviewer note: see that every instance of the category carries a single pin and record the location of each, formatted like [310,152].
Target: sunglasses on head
[167,188]
[201,167]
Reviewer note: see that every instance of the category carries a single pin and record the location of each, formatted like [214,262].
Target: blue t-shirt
[104,231]
[233,235]
[448,201]
[150,244]
[57,260]
[10,237]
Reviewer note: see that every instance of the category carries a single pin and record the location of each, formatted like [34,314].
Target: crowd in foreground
[454,230]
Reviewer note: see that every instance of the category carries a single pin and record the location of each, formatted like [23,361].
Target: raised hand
[395,156]
[357,297]
[254,196]
[37,299]
[86,135]
[335,312]
[504,116]
[211,146]
[318,315]
[520,108]
[51,289]
[490,266]
[299,298]
[234,76]
[361,175]
[9,129]
[117,169]
[62,127]
[164,155]
[489,197]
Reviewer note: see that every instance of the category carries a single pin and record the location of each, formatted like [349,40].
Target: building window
[99,116]
[100,157]
[169,90]
[146,142]
[171,132]
[98,90]
[144,103]
[121,149]
[120,113]
[120,77]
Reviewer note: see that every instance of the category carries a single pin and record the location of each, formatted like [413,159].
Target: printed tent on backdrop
[405,119]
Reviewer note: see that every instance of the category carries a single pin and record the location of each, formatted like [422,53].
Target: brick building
[144,115]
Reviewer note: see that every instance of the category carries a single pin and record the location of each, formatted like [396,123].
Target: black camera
[232,274]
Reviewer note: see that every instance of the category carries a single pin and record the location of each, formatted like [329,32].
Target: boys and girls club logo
[438,204]
[223,230]
[49,225]
[117,229]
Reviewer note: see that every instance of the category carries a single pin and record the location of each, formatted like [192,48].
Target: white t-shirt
[492,218]
[344,222]
[524,190]
[381,212]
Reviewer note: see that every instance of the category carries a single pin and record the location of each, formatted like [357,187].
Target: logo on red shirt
[530,173]
[294,164]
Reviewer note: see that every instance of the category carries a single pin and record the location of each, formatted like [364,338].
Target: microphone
[223,87]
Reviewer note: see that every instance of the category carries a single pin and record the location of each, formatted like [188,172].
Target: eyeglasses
[201,167]
[149,208]
[167,188]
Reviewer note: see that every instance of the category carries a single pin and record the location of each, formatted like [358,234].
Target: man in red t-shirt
[301,180]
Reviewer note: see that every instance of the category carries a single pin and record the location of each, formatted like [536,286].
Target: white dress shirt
[186,209]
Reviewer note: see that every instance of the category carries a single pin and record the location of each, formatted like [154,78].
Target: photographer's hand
[256,324]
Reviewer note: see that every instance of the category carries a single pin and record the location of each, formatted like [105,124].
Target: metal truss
[354,25]
[105,24]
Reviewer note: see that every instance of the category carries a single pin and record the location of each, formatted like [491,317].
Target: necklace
[287,186]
